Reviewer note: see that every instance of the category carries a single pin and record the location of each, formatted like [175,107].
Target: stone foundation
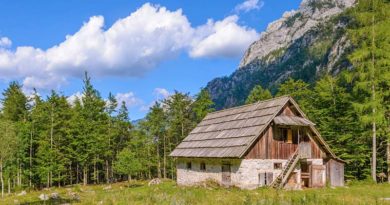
[245,173]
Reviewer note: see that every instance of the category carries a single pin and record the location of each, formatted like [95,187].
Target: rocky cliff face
[303,44]
[292,26]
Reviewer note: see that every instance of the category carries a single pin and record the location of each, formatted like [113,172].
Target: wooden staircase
[286,171]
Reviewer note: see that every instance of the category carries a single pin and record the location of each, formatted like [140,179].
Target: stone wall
[245,173]
[195,175]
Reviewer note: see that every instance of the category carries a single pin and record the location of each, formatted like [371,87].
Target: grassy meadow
[169,193]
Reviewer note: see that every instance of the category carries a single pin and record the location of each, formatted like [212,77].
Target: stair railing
[286,171]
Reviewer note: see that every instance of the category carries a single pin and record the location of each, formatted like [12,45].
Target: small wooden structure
[268,143]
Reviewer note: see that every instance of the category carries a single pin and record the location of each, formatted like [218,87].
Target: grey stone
[43,197]
[154,181]
[22,193]
[293,25]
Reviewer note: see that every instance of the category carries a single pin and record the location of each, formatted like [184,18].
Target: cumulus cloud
[249,5]
[129,48]
[161,93]
[72,98]
[223,39]
[5,42]
[129,98]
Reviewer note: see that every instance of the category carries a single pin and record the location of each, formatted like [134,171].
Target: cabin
[268,143]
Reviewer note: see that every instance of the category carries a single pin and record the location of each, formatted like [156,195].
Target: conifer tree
[258,94]
[202,105]
[8,148]
[300,91]
[156,127]
[370,58]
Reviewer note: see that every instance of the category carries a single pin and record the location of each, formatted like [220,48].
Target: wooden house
[268,143]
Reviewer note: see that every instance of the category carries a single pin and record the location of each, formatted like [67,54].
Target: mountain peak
[293,25]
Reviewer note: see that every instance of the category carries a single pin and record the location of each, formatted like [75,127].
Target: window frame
[278,165]
[189,166]
[202,166]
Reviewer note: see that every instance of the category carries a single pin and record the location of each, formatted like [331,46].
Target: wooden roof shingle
[228,133]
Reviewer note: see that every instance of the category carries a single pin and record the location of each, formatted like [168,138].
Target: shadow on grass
[133,185]
[52,202]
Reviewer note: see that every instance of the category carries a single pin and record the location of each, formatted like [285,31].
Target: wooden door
[226,174]
[318,177]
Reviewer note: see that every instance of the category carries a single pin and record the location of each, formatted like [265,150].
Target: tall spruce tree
[112,131]
[15,109]
[155,125]
[178,109]
[300,91]
[92,129]
[8,148]
[370,58]
[202,105]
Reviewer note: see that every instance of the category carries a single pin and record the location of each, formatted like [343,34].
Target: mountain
[303,44]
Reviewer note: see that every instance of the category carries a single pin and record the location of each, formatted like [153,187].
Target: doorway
[226,174]
[305,173]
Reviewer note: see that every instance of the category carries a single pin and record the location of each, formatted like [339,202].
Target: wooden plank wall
[269,148]
[335,172]
[317,173]
[315,151]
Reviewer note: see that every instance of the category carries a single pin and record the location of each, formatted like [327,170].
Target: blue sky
[138,50]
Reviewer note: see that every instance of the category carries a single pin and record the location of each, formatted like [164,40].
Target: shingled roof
[227,133]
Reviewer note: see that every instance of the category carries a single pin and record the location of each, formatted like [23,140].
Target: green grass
[169,193]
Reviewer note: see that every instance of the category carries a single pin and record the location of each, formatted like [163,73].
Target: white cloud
[5,42]
[223,38]
[129,48]
[71,99]
[161,93]
[249,5]
[129,98]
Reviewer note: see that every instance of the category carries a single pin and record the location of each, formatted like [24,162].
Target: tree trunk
[94,171]
[59,179]
[158,162]
[85,175]
[107,172]
[112,173]
[18,173]
[48,180]
[373,168]
[30,171]
[70,174]
[77,173]
[51,144]
[9,186]
[149,167]
[1,178]
[165,159]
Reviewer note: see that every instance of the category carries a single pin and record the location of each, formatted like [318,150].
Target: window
[286,134]
[277,165]
[289,136]
[265,178]
[202,166]
[189,165]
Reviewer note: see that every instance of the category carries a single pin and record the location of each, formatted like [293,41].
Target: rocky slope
[303,44]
